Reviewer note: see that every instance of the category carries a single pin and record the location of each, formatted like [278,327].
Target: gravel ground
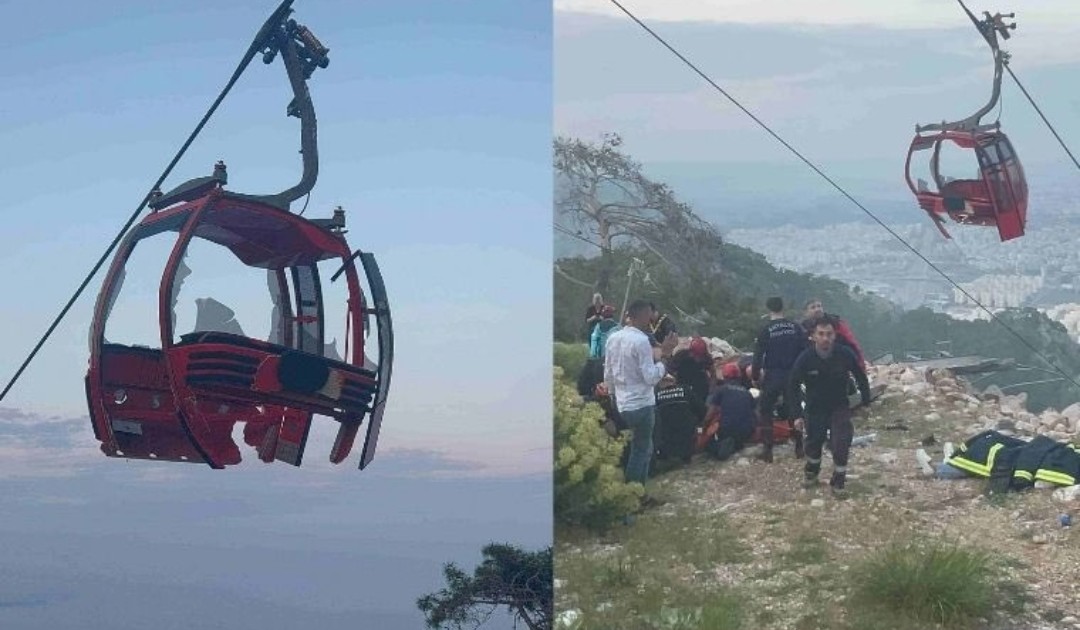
[801,540]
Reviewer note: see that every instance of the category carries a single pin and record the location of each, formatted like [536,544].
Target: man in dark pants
[678,415]
[778,344]
[825,369]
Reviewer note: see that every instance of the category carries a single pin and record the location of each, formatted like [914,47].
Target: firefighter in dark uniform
[825,369]
[778,344]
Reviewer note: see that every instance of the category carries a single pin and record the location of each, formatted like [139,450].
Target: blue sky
[435,136]
[434,130]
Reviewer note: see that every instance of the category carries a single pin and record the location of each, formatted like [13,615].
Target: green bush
[590,488]
[571,358]
[936,583]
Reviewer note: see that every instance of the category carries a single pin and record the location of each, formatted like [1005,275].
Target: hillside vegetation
[714,288]
[731,305]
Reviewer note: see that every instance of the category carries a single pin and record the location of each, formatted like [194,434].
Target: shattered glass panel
[954,161]
[279,297]
[335,298]
[219,293]
[132,315]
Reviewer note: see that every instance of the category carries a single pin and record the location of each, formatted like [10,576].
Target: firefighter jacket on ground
[1016,464]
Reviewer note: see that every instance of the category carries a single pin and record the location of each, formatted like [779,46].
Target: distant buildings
[1039,270]
[998,291]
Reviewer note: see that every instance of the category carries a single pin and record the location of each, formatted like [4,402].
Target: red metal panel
[182,403]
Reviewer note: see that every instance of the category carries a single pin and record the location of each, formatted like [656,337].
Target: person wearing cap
[732,407]
[632,369]
[779,343]
[680,408]
[699,350]
[691,367]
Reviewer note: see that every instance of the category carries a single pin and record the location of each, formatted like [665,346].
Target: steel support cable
[1041,115]
[1026,94]
[256,45]
[846,194]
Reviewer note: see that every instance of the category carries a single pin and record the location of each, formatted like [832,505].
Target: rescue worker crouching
[678,414]
[731,415]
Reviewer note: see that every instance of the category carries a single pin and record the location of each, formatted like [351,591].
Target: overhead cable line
[846,194]
[1024,90]
[1041,115]
[256,46]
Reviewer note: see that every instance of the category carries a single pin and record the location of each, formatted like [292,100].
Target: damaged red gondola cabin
[998,196]
[180,401]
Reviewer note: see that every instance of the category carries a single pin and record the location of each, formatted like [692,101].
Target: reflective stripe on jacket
[1021,463]
[978,454]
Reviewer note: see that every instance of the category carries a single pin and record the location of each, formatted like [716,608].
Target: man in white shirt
[632,369]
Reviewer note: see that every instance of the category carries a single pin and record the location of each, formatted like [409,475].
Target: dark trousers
[730,439]
[834,425]
[770,395]
[740,433]
[771,392]
[611,412]
[592,374]
[674,434]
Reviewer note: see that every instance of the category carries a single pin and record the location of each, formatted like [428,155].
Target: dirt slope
[782,552]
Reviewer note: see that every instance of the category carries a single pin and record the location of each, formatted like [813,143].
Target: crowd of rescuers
[677,403]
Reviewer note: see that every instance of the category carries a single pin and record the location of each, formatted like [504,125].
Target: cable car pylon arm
[990,27]
[301,53]
[257,44]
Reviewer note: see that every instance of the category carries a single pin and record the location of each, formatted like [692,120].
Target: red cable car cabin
[997,198]
[998,195]
[180,401]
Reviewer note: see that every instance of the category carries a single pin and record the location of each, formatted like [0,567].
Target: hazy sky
[844,82]
[1042,18]
[86,540]
[434,133]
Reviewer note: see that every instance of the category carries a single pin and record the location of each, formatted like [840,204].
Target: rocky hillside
[740,544]
[957,404]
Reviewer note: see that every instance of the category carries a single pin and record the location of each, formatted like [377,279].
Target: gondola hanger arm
[258,43]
